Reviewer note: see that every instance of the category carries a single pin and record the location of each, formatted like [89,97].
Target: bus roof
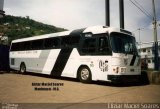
[93,30]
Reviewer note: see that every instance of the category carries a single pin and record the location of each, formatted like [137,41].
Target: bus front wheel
[84,75]
[22,68]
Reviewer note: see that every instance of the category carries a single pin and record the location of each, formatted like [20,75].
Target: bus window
[38,44]
[21,46]
[51,43]
[70,41]
[89,46]
[104,47]
[15,47]
[122,43]
[65,41]
[27,45]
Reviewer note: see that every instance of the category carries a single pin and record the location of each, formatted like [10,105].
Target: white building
[1,8]
[146,53]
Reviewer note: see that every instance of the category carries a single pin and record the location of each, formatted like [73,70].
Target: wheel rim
[84,74]
[23,69]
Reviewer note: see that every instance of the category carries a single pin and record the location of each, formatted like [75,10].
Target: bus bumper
[124,78]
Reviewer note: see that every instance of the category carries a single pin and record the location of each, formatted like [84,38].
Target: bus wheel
[84,75]
[22,68]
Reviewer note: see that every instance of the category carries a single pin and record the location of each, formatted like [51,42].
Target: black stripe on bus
[77,32]
[61,61]
[133,60]
[64,55]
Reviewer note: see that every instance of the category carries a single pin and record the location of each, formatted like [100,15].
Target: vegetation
[20,27]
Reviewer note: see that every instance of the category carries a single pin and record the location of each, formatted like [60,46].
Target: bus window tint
[96,45]
[27,45]
[51,43]
[70,41]
[38,44]
[89,45]
[15,47]
[104,47]
[21,46]
[122,43]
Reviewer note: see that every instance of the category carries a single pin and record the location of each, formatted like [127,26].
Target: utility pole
[107,6]
[156,56]
[121,11]
[139,30]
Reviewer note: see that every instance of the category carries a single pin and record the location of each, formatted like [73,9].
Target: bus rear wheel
[22,68]
[84,75]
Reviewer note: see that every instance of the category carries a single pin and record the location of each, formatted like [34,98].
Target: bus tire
[84,75]
[22,68]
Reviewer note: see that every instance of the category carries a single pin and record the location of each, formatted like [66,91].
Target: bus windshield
[122,43]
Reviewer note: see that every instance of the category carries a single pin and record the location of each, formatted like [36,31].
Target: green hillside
[20,27]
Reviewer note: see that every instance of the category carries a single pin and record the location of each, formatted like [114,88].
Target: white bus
[97,53]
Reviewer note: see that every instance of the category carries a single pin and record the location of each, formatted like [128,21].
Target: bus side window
[51,43]
[104,45]
[70,41]
[38,44]
[27,45]
[65,41]
[21,46]
[89,46]
[15,47]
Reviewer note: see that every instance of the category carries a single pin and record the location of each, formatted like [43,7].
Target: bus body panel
[38,61]
[66,61]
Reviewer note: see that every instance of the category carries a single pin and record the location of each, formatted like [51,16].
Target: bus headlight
[116,70]
[119,70]
[123,70]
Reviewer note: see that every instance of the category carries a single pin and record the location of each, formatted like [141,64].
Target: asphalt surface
[33,88]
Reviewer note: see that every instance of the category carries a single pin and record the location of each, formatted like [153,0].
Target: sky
[75,14]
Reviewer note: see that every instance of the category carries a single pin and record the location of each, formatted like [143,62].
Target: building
[1,8]
[147,54]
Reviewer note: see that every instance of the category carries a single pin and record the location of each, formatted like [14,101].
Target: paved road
[17,88]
